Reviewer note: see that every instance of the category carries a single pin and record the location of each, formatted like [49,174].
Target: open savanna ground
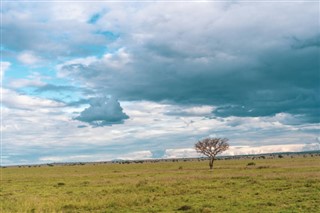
[271,185]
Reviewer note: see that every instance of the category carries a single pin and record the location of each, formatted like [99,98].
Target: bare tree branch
[210,147]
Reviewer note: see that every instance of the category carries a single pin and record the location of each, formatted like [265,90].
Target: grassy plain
[271,185]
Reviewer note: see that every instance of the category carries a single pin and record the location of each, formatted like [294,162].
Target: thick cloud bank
[245,59]
[103,111]
[219,56]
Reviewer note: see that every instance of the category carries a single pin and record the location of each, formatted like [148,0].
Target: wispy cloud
[4,67]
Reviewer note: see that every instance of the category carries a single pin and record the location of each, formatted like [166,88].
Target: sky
[99,80]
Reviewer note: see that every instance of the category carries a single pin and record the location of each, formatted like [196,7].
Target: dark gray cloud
[277,79]
[60,89]
[310,42]
[217,56]
[103,111]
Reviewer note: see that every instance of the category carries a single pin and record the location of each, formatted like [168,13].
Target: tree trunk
[211,163]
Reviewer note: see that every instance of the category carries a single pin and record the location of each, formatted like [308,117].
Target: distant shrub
[270,204]
[61,184]
[184,208]
[251,164]
[308,184]
[50,165]
[280,156]
[263,167]
[180,167]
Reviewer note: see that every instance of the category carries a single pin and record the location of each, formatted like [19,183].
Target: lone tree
[210,147]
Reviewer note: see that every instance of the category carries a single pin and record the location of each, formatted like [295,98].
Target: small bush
[184,208]
[61,184]
[270,204]
[180,167]
[69,207]
[251,164]
[263,167]
[308,185]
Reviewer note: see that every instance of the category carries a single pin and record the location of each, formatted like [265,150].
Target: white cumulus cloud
[29,58]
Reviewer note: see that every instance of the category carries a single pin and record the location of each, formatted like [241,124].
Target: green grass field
[272,185]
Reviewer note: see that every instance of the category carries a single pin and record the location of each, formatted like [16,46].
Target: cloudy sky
[87,81]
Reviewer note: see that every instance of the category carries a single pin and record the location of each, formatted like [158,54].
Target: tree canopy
[210,147]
